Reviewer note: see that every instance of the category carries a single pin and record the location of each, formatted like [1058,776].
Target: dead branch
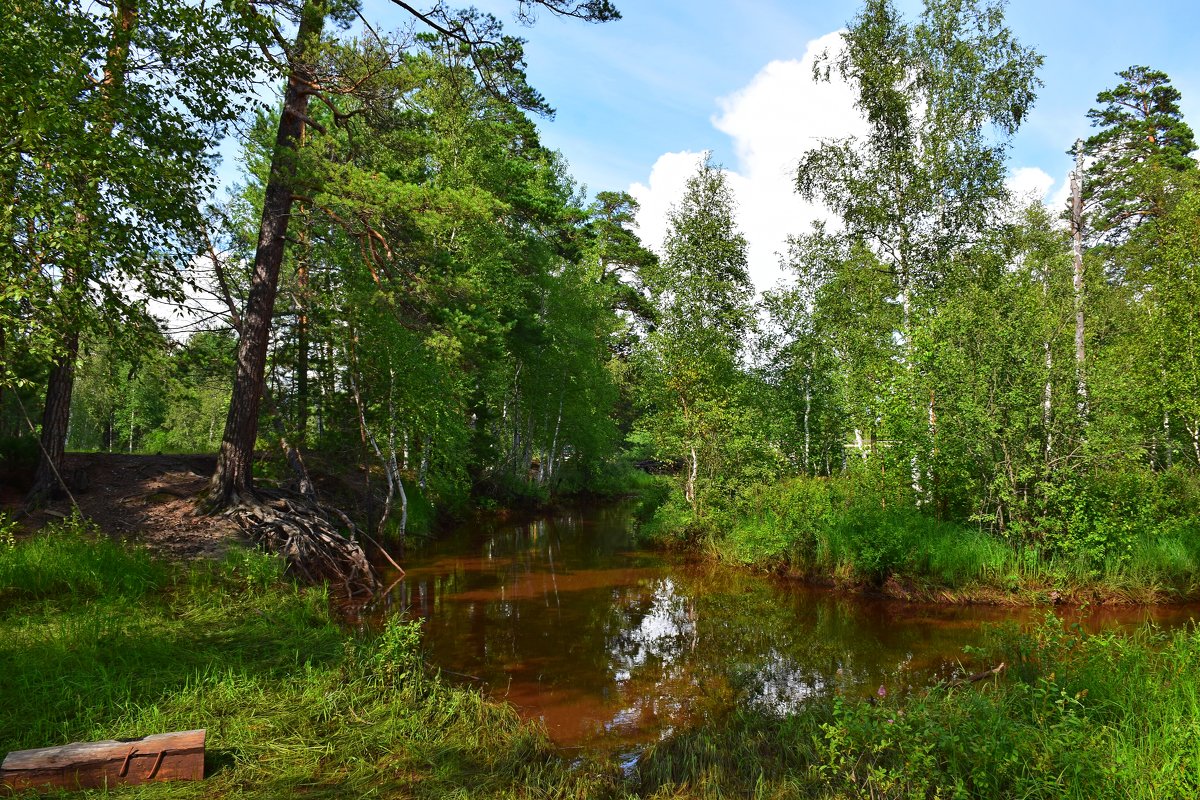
[978,676]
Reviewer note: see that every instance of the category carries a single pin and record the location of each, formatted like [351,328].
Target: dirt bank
[149,499]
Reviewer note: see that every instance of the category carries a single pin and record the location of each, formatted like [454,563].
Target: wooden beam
[85,765]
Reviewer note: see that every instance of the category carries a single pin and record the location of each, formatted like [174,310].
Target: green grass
[97,641]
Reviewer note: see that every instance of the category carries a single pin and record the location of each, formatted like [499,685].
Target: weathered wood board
[83,765]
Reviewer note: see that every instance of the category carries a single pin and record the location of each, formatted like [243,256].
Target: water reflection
[612,646]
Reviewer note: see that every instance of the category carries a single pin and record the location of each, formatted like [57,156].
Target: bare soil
[147,499]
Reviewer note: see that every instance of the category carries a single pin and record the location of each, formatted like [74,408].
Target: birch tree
[691,362]
[940,97]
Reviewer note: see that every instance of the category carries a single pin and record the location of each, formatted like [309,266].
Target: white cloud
[1029,184]
[773,121]
[668,177]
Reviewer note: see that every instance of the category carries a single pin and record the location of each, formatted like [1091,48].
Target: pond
[612,646]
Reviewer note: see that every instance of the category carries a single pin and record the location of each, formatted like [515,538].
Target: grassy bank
[1124,543]
[100,641]
[1075,717]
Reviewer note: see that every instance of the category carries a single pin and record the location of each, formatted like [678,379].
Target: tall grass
[72,563]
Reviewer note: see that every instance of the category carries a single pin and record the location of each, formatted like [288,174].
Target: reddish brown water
[611,646]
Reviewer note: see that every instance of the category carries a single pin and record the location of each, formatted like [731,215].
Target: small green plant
[396,661]
[8,537]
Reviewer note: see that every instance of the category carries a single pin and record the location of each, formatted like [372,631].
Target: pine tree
[1142,145]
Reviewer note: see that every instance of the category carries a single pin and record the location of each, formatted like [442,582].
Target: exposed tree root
[305,534]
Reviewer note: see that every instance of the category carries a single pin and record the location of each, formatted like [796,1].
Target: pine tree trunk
[233,479]
[302,359]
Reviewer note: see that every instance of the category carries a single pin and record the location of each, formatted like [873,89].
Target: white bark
[548,469]
[395,469]
[1047,405]
[1077,250]
[1169,457]
[690,491]
[807,412]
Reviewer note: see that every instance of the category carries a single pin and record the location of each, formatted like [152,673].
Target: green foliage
[667,519]
[112,113]
[8,537]
[698,408]
[1130,536]
[1101,518]
[148,394]
[1143,144]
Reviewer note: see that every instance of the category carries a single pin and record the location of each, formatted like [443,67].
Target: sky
[638,100]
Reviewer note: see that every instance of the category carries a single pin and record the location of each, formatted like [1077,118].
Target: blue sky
[677,77]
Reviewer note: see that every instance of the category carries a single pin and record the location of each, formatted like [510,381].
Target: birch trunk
[807,412]
[690,491]
[395,469]
[1077,252]
[1168,456]
[554,440]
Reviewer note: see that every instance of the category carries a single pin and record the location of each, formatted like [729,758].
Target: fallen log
[87,765]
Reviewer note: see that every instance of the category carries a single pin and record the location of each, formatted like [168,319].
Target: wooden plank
[86,765]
